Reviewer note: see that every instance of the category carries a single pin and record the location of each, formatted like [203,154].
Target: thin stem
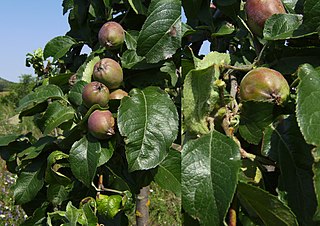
[245,68]
[142,207]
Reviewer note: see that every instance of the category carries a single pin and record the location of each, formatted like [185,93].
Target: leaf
[40,95]
[84,158]
[312,14]
[254,118]
[72,214]
[86,70]
[282,26]
[148,120]
[57,193]
[7,139]
[58,47]
[160,36]
[107,150]
[170,68]
[131,39]
[198,92]
[169,172]
[52,174]
[55,115]
[191,8]
[293,155]
[129,59]
[75,94]
[209,175]
[36,149]
[88,217]
[27,186]
[137,6]
[268,207]
[213,59]
[307,108]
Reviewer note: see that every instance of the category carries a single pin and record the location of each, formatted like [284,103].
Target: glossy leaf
[312,14]
[84,159]
[268,207]
[209,175]
[282,26]
[86,70]
[293,155]
[255,117]
[57,194]
[53,175]
[307,108]
[58,47]
[75,94]
[27,186]
[160,35]
[169,172]
[40,95]
[198,92]
[148,120]
[55,115]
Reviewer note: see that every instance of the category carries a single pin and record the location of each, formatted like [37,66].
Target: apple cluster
[107,78]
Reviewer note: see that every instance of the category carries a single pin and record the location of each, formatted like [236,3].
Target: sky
[28,25]
[25,26]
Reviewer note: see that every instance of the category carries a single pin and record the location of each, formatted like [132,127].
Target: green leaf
[160,36]
[38,217]
[213,59]
[282,26]
[55,115]
[107,150]
[268,207]
[312,14]
[52,175]
[7,139]
[198,92]
[72,214]
[308,111]
[57,193]
[40,95]
[148,120]
[170,68]
[293,155]
[129,59]
[131,39]
[86,70]
[169,172]
[316,171]
[225,28]
[27,186]
[88,217]
[192,8]
[84,158]
[137,6]
[75,94]
[254,118]
[58,47]
[209,175]
[36,149]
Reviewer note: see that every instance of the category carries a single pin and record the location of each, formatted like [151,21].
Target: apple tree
[107,103]
[128,96]
[250,108]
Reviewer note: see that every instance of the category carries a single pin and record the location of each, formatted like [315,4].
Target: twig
[142,207]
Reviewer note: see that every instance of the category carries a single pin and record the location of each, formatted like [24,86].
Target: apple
[95,93]
[265,85]
[108,72]
[111,35]
[101,124]
[258,11]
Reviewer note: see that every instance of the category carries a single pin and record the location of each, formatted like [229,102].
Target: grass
[165,207]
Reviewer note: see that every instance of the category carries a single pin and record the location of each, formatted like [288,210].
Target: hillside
[5,85]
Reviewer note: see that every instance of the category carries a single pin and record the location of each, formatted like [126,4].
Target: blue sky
[26,26]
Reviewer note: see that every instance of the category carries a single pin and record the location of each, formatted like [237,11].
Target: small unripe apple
[95,93]
[111,35]
[108,72]
[258,11]
[118,94]
[101,124]
[265,85]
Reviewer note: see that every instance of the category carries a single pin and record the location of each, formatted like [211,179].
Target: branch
[142,207]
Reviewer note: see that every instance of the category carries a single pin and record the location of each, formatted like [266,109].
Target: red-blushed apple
[111,35]
[265,85]
[95,93]
[108,72]
[101,124]
[258,11]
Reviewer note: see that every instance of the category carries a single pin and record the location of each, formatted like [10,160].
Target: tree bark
[142,207]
